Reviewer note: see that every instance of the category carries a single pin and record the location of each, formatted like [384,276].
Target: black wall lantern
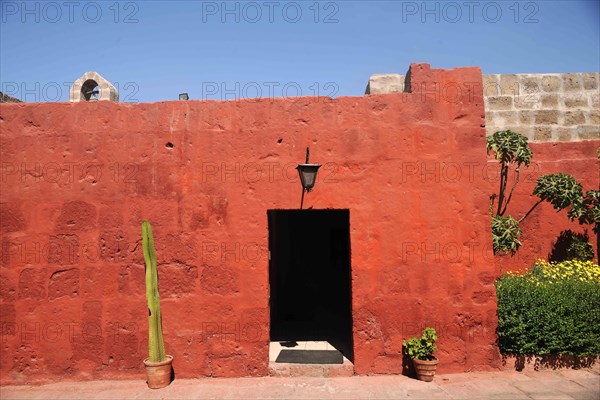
[308,176]
[183,96]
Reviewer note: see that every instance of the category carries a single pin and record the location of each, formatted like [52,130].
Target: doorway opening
[310,279]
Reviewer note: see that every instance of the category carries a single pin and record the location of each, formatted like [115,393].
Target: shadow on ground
[550,361]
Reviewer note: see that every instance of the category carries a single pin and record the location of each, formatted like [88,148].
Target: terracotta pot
[159,373]
[425,369]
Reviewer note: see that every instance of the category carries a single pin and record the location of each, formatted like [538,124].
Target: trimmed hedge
[552,309]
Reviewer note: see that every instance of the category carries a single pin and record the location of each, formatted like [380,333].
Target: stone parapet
[543,107]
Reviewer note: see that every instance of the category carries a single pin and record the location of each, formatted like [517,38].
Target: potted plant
[158,364]
[420,350]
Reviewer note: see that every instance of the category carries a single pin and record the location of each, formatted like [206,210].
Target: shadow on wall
[550,361]
[570,245]
[407,366]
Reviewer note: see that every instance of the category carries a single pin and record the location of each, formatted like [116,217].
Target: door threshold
[313,370]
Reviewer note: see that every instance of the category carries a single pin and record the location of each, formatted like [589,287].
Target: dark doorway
[309,276]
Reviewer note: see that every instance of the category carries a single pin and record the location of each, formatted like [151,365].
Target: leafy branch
[561,190]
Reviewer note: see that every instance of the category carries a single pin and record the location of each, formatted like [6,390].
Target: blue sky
[154,50]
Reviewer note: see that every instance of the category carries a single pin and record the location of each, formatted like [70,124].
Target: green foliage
[560,190]
[156,346]
[505,235]
[572,246]
[580,250]
[509,147]
[552,309]
[421,348]
[587,210]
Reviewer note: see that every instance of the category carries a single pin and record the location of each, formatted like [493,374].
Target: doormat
[310,357]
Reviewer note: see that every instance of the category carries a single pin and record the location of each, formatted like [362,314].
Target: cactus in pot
[158,364]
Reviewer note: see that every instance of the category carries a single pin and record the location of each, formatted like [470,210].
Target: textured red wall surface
[78,179]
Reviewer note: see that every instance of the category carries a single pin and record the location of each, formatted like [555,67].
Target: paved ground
[558,384]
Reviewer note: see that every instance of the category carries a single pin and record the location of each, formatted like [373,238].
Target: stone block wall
[543,107]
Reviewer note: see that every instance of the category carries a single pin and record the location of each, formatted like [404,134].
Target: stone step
[313,370]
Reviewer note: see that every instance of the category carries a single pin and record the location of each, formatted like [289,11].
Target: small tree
[587,210]
[511,149]
[561,190]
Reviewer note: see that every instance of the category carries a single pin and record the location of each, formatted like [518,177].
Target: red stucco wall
[78,179]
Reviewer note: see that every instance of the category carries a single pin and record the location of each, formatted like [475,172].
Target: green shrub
[580,249]
[552,309]
[572,246]
[421,348]
[505,234]
[560,190]
[587,210]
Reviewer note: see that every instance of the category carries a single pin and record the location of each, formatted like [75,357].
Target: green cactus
[156,346]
